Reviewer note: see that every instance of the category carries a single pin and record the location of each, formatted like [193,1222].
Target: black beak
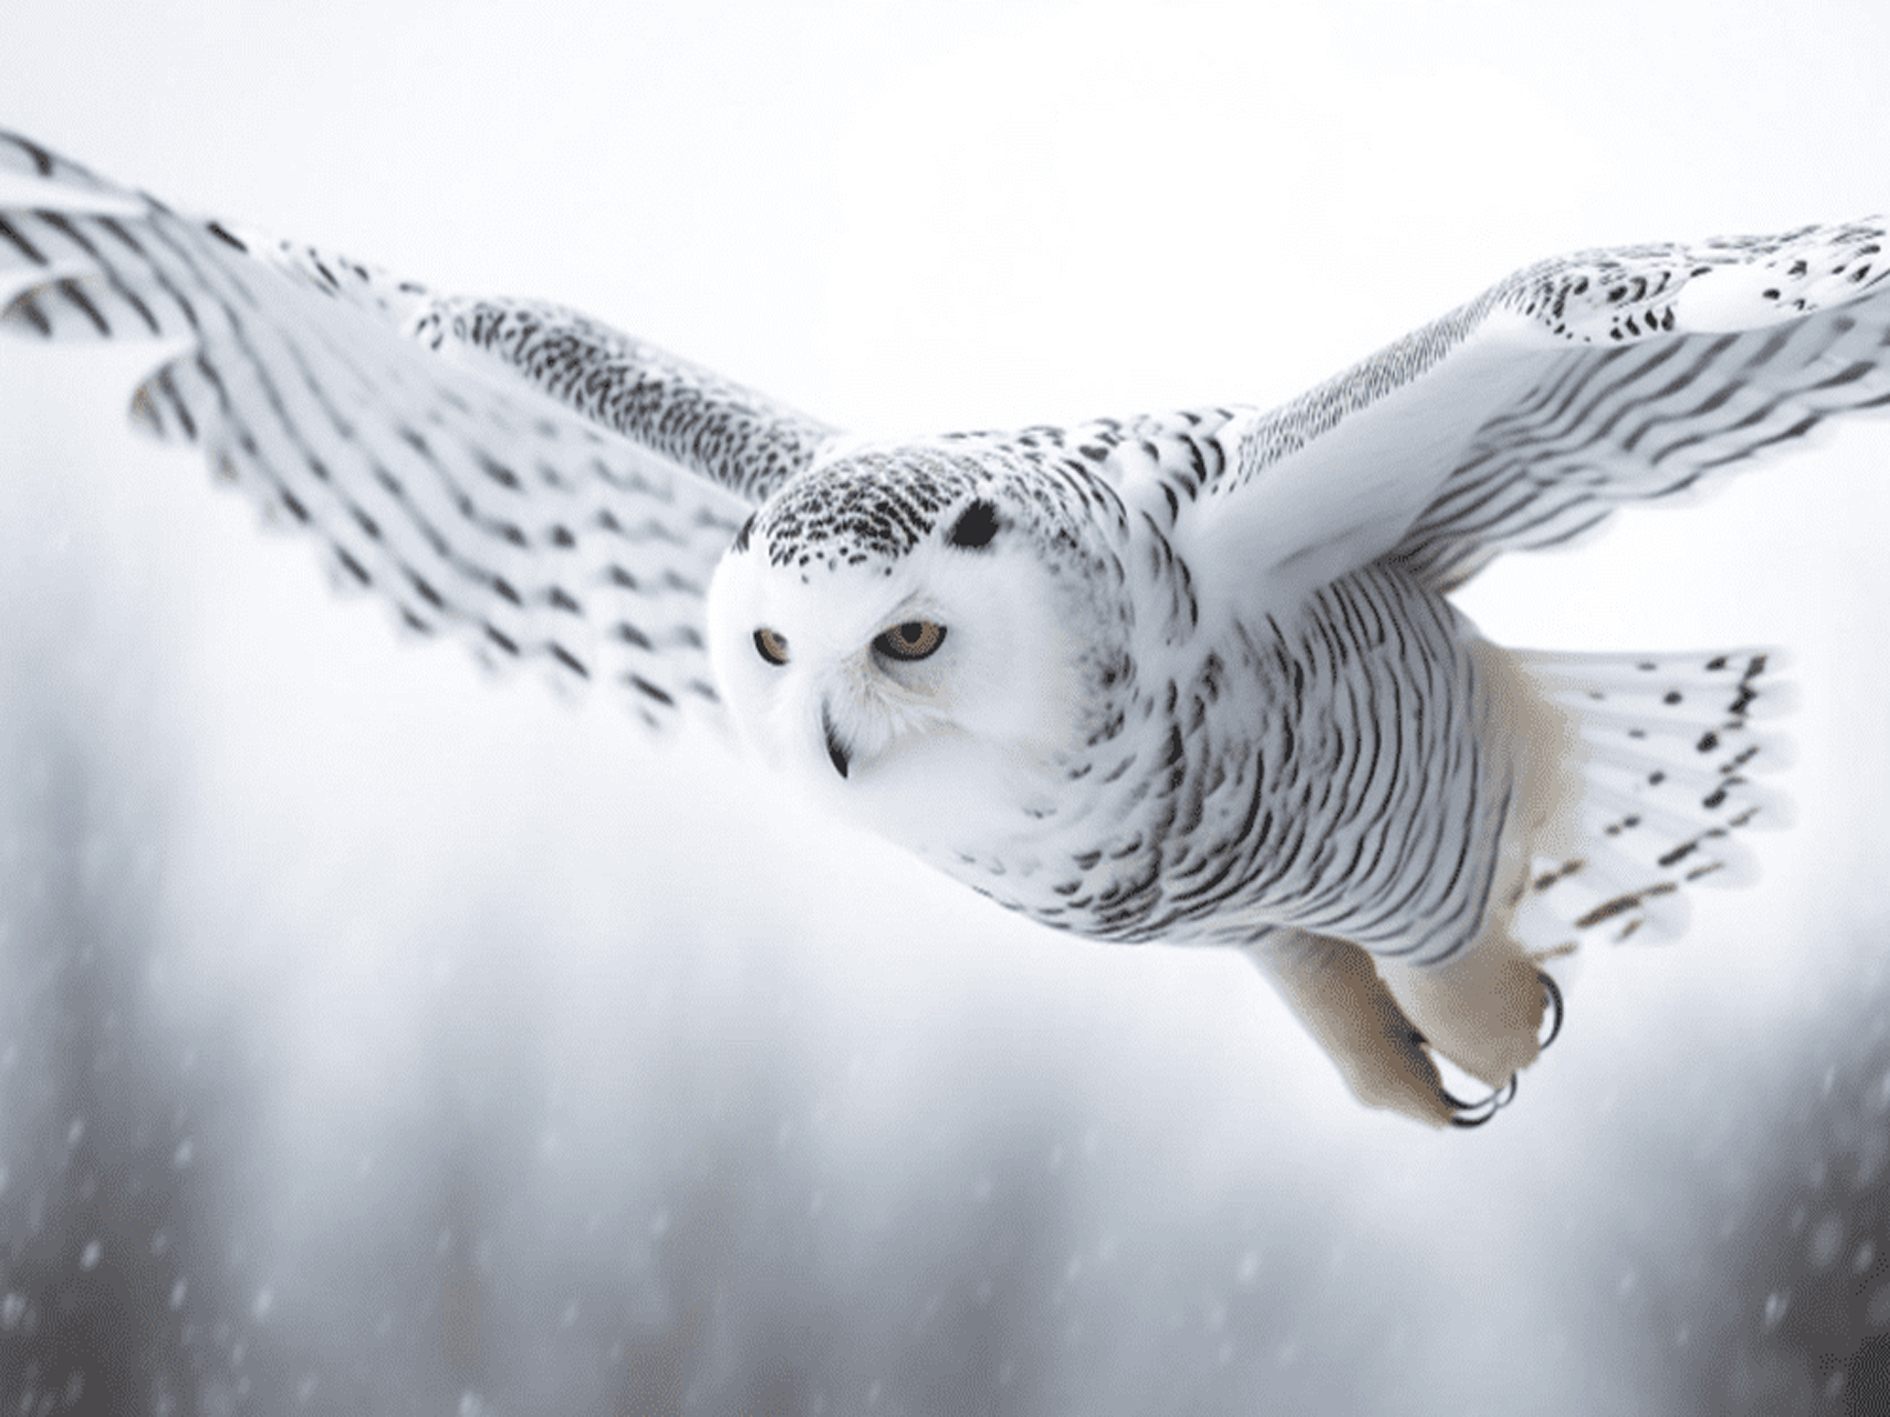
[836,750]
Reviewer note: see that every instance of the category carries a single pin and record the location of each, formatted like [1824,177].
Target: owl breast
[1088,741]
[1325,768]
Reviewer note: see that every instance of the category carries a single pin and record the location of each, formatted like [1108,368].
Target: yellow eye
[770,646]
[915,639]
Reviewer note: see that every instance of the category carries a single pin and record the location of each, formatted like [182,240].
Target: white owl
[1190,677]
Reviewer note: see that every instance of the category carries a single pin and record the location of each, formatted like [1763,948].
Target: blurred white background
[379,1037]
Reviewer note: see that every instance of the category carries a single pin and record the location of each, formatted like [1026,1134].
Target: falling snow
[341,1042]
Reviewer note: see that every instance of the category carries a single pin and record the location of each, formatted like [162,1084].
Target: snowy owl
[1191,677]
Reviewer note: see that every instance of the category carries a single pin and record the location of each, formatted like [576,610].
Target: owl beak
[837,752]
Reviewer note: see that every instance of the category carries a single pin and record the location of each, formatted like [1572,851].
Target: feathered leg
[1335,989]
[1481,1009]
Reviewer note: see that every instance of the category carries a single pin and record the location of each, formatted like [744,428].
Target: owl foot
[1483,1009]
[1382,1053]
[1335,989]
[1475,1114]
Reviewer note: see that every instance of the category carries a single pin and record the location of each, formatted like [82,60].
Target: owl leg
[1334,988]
[1482,1008]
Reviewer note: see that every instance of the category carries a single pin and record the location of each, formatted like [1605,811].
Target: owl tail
[1656,792]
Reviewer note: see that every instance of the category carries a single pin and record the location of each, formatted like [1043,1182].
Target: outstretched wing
[517,474]
[1522,419]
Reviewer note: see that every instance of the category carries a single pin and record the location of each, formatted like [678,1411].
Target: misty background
[380,1037]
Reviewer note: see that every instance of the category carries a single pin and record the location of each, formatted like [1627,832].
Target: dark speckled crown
[872,506]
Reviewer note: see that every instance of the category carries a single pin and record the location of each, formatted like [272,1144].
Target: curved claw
[1553,997]
[1475,1114]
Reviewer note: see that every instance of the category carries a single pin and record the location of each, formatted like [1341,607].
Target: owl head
[896,631]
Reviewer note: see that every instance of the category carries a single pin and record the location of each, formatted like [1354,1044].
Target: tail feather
[1666,790]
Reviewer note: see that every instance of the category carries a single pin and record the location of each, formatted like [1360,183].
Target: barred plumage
[474,503]
[685,413]
[1673,411]
[1187,677]
[1305,809]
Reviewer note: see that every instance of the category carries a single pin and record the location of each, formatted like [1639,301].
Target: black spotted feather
[544,488]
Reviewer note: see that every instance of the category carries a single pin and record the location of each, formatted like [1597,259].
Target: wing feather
[561,498]
[1525,418]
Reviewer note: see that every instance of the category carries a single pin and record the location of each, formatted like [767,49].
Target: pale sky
[918,216]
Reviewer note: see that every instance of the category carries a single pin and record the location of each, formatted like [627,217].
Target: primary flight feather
[1187,677]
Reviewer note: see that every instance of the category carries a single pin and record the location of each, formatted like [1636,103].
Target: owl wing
[1524,418]
[513,473]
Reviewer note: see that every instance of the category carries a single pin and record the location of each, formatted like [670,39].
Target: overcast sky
[916,217]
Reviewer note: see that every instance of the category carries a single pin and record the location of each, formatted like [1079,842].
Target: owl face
[903,652]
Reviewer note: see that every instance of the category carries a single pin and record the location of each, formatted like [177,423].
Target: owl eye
[915,639]
[770,646]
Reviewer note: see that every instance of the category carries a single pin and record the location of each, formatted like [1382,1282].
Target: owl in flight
[1191,677]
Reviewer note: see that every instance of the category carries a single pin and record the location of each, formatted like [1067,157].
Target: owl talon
[1552,995]
[1466,1114]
